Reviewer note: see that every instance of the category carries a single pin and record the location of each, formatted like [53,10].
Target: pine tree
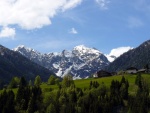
[67,81]
[138,81]
[31,105]
[23,82]
[37,81]
[51,80]
[51,109]
[30,83]
[13,83]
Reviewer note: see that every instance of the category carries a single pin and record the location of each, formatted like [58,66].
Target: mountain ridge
[14,64]
[137,57]
[80,62]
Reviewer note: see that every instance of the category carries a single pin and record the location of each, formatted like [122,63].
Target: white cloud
[71,4]
[31,14]
[7,32]
[134,22]
[73,31]
[117,52]
[103,4]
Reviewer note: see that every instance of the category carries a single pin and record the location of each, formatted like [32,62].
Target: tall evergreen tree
[37,81]
[51,80]
[67,81]
[51,109]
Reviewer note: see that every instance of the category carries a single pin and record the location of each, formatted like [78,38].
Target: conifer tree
[51,80]
[37,81]
[67,81]
[51,109]
[31,105]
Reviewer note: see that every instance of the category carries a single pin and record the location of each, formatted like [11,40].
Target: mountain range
[14,64]
[81,62]
[138,57]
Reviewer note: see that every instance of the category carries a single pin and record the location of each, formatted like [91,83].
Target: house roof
[131,68]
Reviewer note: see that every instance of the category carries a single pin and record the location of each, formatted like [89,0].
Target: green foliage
[94,84]
[22,97]
[140,102]
[51,109]
[30,108]
[109,96]
[30,83]
[138,81]
[7,102]
[23,82]
[37,81]
[51,80]
[67,81]
[14,82]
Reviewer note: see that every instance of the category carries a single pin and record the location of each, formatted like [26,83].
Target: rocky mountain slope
[81,62]
[137,57]
[14,64]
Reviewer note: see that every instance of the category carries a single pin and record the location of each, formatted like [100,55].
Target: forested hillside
[14,64]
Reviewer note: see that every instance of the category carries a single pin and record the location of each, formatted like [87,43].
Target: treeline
[69,99]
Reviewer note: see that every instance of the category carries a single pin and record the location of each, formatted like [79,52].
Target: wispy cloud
[103,4]
[7,32]
[134,22]
[71,4]
[73,31]
[32,14]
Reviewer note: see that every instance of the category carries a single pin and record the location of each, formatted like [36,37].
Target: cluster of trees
[140,103]
[27,100]
[69,99]
[15,82]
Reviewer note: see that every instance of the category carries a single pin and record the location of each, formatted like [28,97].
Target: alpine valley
[81,62]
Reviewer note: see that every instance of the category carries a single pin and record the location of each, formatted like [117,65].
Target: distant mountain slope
[81,62]
[137,57]
[14,64]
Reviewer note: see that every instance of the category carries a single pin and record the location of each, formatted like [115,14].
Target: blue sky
[49,26]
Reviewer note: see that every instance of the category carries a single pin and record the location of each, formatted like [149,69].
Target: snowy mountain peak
[23,47]
[66,53]
[19,47]
[83,49]
[81,62]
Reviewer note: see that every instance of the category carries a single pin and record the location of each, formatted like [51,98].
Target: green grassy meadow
[84,83]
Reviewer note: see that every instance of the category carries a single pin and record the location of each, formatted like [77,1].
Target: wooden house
[102,73]
[132,70]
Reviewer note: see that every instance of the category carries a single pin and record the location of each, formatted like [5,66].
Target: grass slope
[84,83]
